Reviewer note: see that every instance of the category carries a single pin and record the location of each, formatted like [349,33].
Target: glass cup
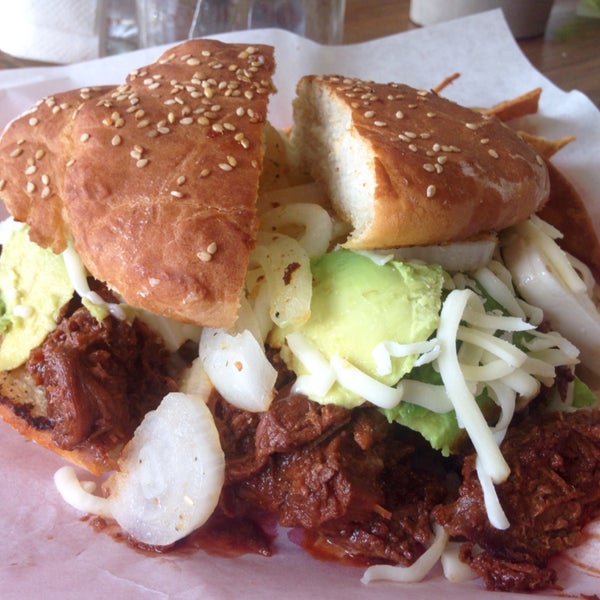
[164,21]
[319,20]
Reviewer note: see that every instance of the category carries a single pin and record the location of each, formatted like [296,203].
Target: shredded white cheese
[467,410]
[78,275]
[415,572]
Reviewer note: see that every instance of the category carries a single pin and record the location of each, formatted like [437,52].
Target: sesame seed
[135,154]
[116,140]
[143,123]
[429,167]
[369,114]
[204,256]
[16,152]
[225,167]
[186,121]
[70,162]
[399,114]
[30,170]
[471,126]
[45,192]
[141,163]
[410,134]
[163,130]
[232,160]
[493,153]
[205,173]
[484,140]
[176,194]
[34,121]
[2,184]
[380,123]
[442,159]
[84,137]
[45,179]
[30,187]
[181,180]
[431,190]
[40,154]
[539,160]
[192,62]
[211,248]
[412,147]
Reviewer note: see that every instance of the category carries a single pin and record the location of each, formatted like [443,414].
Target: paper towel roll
[56,31]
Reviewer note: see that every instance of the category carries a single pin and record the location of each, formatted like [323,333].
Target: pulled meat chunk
[551,494]
[100,377]
[358,486]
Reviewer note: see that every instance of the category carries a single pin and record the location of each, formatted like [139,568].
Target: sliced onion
[457,256]
[568,307]
[170,474]
[238,368]
[287,270]
[173,333]
[314,219]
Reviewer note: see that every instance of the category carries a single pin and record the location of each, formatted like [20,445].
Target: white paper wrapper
[47,551]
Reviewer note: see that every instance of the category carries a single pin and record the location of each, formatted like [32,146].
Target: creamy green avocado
[34,286]
[356,304]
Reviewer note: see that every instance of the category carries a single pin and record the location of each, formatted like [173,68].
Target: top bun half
[408,167]
[154,181]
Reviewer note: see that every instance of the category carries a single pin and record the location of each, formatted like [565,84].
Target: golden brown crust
[155,180]
[441,172]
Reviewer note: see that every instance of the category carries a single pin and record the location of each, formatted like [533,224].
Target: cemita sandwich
[364,329]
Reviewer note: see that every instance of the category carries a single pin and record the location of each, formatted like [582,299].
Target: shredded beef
[350,478]
[100,377]
[551,494]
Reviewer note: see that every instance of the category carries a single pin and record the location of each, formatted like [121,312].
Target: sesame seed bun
[154,180]
[408,167]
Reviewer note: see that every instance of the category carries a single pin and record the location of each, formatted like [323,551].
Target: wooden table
[568,54]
